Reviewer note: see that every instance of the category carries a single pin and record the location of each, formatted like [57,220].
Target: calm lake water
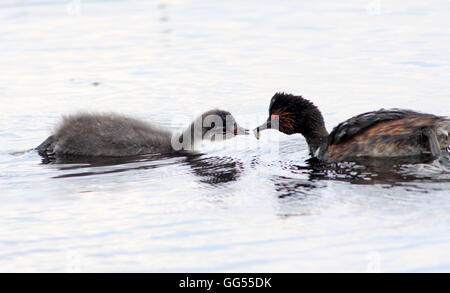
[238,206]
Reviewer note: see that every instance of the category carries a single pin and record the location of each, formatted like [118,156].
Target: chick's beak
[239,130]
[257,130]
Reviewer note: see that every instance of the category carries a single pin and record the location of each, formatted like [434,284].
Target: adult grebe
[382,133]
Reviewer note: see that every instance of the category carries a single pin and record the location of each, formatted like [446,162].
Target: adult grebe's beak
[265,125]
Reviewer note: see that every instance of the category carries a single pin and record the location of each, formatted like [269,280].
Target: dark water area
[241,205]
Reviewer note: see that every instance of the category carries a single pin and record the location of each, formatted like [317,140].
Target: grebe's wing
[362,122]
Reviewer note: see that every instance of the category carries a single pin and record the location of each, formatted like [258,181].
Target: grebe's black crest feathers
[359,123]
[282,100]
[297,115]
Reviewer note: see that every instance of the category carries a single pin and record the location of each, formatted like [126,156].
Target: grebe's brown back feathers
[361,122]
[385,133]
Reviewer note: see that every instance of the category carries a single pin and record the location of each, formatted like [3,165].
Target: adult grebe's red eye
[273,116]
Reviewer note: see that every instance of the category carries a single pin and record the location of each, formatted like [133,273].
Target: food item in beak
[256,132]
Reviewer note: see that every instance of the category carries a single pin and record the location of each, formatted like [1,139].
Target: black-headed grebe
[115,135]
[382,133]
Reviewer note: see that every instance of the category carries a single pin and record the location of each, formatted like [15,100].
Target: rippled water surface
[240,205]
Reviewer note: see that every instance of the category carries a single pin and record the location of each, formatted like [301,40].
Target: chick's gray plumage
[108,134]
[115,135]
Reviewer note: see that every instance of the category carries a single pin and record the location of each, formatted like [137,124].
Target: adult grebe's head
[293,114]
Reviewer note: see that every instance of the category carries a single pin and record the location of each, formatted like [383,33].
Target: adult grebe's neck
[314,132]
[315,143]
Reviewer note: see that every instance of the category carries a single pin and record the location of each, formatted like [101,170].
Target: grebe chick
[382,133]
[115,135]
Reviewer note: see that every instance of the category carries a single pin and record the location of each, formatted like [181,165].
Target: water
[241,205]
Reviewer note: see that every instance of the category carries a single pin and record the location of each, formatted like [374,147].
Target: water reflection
[215,170]
[128,163]
[386,171]
[286,187]
[383,172]
[211,170]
